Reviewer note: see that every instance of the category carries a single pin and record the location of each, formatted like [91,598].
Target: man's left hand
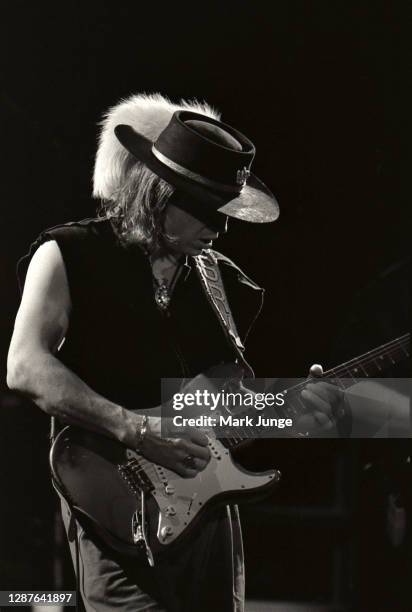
[325,404]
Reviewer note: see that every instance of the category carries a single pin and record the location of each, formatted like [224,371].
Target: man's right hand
[174,453]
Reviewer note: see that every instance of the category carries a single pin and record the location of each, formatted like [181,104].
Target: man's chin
[192,250]
[199,250]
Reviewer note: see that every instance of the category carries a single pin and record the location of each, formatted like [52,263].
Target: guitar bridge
[135,477]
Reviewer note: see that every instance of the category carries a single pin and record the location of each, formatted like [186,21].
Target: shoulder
[75,243]
[48,254]
[233,269]
[46,294]
[79,231]
[46,268]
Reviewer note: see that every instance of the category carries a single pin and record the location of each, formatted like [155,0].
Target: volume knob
[166,531]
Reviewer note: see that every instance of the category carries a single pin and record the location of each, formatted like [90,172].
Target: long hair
[131,195]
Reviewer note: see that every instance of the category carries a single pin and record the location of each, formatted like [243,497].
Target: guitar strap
[211,279]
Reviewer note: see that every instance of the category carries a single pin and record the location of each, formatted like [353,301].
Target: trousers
[208,574]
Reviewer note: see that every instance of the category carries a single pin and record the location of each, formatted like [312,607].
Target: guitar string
[370,357]
[146,467]
[386,350]
[366,359]
[390,347]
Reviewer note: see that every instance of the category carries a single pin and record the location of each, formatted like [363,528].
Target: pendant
[162,296]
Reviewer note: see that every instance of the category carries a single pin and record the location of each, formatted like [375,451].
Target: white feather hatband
[148,114]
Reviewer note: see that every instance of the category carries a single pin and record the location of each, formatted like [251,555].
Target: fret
[228,442]
[342,372]
[405,351]
[398,353]
[355,373]
[336,380]
[363,368]
[377,364]
[376,360]
[351,373]
[369,367]
[386,361]
[343,382]
[344,376]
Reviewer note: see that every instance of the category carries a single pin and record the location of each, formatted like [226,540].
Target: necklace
[164,280]
[165,273]
[162,294]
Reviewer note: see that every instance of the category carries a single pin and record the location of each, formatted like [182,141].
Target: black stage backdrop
[316,85]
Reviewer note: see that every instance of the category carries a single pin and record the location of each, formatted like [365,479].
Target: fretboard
[375,362]
[370,364]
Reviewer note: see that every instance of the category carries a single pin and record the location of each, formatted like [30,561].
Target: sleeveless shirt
[118,341]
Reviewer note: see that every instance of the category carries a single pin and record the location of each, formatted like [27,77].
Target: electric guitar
[139,507]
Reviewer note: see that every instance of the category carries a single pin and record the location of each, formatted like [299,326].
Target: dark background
[318,86]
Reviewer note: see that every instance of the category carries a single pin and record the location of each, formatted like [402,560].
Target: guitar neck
[374,362]
[370,364]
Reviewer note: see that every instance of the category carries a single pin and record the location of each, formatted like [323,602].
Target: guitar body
[103,481]
[139,507]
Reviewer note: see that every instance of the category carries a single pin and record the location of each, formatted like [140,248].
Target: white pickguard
[181,499]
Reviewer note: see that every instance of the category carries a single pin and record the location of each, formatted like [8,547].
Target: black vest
[118,341]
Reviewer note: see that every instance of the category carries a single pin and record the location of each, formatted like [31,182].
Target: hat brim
[255,203]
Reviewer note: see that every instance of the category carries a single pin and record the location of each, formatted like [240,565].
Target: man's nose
[222,223]
[218,223]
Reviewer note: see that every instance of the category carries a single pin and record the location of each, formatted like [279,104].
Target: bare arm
[33,369]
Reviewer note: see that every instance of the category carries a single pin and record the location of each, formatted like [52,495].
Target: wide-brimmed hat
[207,159]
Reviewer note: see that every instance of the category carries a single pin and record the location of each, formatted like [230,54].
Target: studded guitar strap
[209,273]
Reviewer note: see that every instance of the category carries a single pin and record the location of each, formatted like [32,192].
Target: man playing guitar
[113,304]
